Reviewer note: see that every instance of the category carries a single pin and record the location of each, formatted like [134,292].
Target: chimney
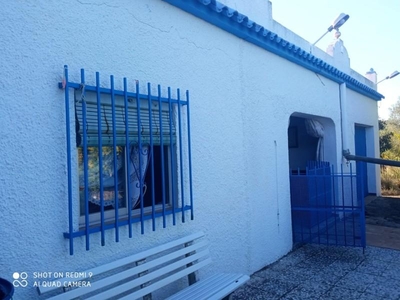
[371,75]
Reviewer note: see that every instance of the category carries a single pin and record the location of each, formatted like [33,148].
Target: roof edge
[241,26]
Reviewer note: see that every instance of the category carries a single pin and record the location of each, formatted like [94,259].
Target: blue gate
[327,207]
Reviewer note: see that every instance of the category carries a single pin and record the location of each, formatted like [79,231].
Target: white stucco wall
[241,100]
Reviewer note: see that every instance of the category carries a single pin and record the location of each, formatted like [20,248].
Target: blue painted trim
[241,26]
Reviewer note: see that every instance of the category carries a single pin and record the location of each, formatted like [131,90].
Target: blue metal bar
[116,192]
[352,202]
[153,201]
[309,215]
[107,91]
[301,217]
[100,146]
[362,213]
[317,205]
[190,156]
[321,209]
[295,217]
[162,156]
[344,213]
[172,156]
[334,175]
[334,203]
[85,160]
[324,170]
[128,157]
[338,208]
[69,167]
[121,223]
[139,123]
[181,154]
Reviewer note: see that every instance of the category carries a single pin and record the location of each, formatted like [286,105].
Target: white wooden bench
[141,274]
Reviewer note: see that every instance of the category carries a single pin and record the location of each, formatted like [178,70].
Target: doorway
[360,141]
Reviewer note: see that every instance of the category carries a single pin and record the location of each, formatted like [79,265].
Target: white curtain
[109,173]
[134,182]
[316,129]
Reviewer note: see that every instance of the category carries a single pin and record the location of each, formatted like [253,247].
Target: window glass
[148,159]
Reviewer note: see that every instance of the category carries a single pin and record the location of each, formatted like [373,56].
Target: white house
[252,85]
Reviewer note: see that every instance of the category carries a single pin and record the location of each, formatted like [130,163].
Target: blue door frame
[360,139]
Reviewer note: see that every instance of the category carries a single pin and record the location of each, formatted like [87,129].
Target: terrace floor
[321,272]
[345,273]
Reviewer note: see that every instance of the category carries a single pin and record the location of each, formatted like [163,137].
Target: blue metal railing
[327,207]
[168,202]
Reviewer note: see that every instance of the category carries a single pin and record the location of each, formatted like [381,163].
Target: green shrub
[390,180]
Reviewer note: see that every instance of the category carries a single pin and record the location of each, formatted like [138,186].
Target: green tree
[385,137]
[394,117]
[389,138]
[389,134]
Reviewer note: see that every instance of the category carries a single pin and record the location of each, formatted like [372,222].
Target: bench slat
[102,283]
[232,287]
[214,287]
[145,272]
[126,260]
[205,287]
[155,286]
[162,271]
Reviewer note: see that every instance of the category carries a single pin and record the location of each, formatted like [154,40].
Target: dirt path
[383,211]
[383,221]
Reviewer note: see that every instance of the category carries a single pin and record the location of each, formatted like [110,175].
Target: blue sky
[371,35]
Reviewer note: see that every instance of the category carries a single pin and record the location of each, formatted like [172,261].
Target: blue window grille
[133,154]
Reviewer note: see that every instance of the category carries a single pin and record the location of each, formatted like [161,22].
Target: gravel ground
[321,272]
[343,273]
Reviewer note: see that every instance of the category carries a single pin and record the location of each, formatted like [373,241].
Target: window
[133,158]
[113,183]
[116,171]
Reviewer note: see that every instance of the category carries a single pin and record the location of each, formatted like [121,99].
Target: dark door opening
[360,139]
